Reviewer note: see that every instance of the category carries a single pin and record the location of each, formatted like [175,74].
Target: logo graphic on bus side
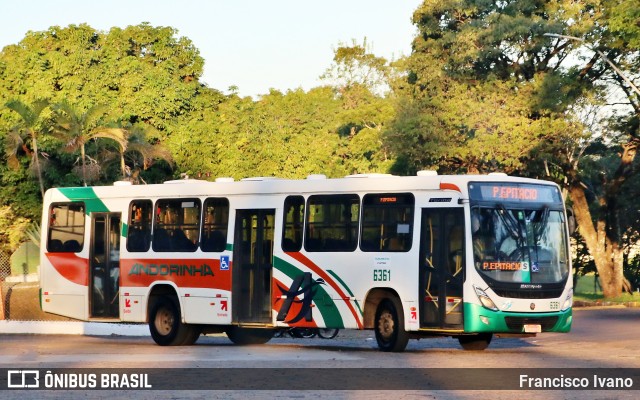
[301,285]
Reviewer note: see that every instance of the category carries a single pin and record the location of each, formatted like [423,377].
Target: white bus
[429,255]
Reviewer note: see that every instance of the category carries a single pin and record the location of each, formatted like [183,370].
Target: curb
[73,328]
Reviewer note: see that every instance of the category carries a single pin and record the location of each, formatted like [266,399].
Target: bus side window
[387,222]
[180,220]
[332,223]
[293,223]
[139,233]
[215,225]
[66,227]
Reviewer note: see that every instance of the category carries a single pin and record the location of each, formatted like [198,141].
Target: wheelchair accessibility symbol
[224,263]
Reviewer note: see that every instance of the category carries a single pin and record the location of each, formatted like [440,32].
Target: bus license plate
[533,328]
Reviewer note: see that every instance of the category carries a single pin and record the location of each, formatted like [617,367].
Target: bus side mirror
[571,221]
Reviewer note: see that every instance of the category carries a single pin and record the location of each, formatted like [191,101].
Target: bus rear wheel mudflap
[166,326]
[389,327]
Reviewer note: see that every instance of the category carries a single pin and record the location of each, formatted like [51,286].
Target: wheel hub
[164,321]
[386,325]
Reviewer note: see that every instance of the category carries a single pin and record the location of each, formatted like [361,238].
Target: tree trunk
[34,144]
[84,170]
[607,253]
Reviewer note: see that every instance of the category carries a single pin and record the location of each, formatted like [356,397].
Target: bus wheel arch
[165,319]
[385,314]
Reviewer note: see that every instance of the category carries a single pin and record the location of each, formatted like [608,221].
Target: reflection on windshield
[520,245]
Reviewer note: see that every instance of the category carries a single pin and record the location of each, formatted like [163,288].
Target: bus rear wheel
[478,341]
[389,327]
[166,327]
[247,336]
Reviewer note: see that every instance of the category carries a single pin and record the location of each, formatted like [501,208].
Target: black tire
[192,336]
[166,327]
[247,336]
[328,333]
[478,341]
[390,333]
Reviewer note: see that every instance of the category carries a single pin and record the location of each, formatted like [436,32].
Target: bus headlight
[485,300]
[568,302]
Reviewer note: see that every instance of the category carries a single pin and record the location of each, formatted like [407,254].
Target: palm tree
[133,139]
[78,129]
[27,130]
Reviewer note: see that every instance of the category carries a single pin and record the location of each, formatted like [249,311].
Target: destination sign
[514,192]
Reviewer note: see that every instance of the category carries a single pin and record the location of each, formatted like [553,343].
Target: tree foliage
[487,90]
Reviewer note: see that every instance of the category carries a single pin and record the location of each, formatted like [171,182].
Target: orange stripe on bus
[71,267]
[449,186]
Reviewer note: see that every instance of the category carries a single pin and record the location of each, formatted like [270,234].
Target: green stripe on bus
[125,230]
[344,285]
[328,309]
[88,196]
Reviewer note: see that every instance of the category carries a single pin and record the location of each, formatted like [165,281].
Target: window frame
[340,244]
[174,242]
[146,232]
[385,244]
[224,202]
[64,231]
[291,227]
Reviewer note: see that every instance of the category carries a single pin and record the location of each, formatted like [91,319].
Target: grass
[586,291]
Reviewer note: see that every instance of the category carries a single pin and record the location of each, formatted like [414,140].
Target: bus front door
[252,266]
[442,268]
[104,265]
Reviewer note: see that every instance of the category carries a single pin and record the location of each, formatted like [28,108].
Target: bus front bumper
[480,319]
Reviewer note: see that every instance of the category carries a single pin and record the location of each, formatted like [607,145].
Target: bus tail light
[485,300]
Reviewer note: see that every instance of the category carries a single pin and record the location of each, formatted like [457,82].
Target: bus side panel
[203,286]
[204,306]
[338,285]
[64,285]
[133,304]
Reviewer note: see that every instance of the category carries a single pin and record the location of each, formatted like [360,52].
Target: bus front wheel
[166,327]
[389,326]
[478,341]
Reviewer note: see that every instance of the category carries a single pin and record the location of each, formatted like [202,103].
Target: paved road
[601,338]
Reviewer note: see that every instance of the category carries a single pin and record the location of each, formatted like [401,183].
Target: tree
[361,81]
[76,129]
[486,90]
[131,140]
[29,129]
[12,229]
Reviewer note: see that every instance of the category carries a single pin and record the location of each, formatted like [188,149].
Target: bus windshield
[522,245]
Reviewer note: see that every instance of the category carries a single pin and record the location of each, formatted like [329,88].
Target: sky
[255,45]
